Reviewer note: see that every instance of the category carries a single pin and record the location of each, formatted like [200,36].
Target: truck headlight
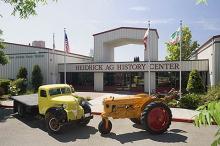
[65,106]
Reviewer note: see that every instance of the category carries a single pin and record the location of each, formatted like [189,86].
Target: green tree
[24,8]
[188,46]
[209,114]
[3,57]
[22,73]
[37,78]
[201,1]
[195,84]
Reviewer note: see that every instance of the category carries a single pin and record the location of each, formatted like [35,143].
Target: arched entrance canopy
[105,42]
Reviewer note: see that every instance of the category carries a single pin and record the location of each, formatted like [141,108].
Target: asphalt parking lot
[22,132]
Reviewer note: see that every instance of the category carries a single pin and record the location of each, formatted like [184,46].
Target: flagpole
[64,57]
[149,78]
[180,59]
[54,70]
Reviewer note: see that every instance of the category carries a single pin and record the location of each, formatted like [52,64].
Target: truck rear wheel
[105,128]
[156,118]
[20,109]
[53,123]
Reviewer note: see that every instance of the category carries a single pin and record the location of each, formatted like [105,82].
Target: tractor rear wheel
[136,120]
[156,118]
[105,128]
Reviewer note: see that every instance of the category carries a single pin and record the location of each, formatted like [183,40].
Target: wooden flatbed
[27,100]
[25,104]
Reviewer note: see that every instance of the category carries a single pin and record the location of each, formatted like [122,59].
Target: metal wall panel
[208,54]
[217,62]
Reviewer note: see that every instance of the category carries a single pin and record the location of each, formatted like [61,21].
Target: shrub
[2,92]
[190,101]
[37,78]
[173,103]
[18,86]
[213,94]
[4,84]
[195,84]
[22,73]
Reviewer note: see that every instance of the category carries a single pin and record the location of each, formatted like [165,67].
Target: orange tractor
[149,111]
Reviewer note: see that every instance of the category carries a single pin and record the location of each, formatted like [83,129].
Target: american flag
[66,43]
[145,38]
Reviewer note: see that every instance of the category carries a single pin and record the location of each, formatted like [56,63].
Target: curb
[96,113]
[182,120]
[6,106]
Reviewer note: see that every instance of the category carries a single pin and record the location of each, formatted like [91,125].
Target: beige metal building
[210,50]
[27,56]
[104,74]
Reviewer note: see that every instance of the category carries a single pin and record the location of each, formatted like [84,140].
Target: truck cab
[60,96]
[59,106]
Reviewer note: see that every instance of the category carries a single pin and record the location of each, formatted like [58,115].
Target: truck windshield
[59,91]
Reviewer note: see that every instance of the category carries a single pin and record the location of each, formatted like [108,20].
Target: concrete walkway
[6,103]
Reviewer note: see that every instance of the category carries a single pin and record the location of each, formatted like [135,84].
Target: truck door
[42,101]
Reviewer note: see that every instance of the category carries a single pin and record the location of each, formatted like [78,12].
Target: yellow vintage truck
[56,104]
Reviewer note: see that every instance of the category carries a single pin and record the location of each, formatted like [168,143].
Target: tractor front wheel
[105,128]
[156,118]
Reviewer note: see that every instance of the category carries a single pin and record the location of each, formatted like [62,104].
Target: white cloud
[139,8]
[162,21]
[133,22]
[154,21]
[209,24]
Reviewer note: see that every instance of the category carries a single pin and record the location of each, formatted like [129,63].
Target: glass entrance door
[128,81]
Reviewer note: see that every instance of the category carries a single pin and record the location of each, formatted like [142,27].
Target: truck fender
[58,112]
[86,107]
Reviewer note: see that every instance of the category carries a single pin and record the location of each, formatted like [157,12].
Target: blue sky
[83,18]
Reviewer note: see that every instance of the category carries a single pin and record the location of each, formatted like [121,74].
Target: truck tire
[156,118]
[87,110]
[21,110]
[15,109]
[136,120]
[52,122]
[102,127]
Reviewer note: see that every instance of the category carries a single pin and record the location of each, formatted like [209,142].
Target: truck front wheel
[53,123]
[87,112]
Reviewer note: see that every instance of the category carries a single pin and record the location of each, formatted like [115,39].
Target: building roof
[206,43]
[125,28]
[46,49]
